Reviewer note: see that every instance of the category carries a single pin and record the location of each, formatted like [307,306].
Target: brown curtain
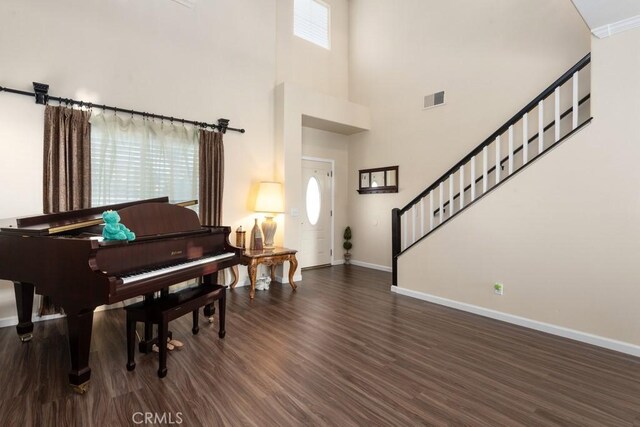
[67,159]
[211,177]
[67,167]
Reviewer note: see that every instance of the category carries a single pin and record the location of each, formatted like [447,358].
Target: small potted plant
[347,245]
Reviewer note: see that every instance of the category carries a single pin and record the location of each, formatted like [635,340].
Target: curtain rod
[42,97]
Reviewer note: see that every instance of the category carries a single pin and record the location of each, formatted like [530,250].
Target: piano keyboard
[174,268]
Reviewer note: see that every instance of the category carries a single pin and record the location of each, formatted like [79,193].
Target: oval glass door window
[313,200]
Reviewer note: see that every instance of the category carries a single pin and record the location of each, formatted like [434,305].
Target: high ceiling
[606,17]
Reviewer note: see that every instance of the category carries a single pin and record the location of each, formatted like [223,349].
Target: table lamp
[270,202]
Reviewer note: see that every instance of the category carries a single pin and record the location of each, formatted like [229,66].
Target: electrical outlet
[498,288]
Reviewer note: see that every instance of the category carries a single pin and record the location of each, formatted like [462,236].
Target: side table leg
[234,270]
[273,272]
[252,277]
[293,265]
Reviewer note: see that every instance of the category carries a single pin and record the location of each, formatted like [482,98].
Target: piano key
[174,268]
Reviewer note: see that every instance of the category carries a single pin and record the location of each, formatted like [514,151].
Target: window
[134,159]
[313,200]
[311,21]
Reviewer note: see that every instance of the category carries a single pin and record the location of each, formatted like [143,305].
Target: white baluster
[473,178]
[485,169]
[461,187]
[431,210]
[414,226]
[541,126]
[557,114]
[451,195]
[441,213]
[498,160]
[510,149]
[525,139]
[404,231]
[575,101]
[422,217]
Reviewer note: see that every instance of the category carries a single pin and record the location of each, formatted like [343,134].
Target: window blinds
[311,21]
[134,159]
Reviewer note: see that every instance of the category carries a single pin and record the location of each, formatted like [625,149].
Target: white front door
[317,179]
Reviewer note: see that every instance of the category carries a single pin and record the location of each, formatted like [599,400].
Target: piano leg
[79,325]
[222,307]
[145,345]
[24,305]
[209,310]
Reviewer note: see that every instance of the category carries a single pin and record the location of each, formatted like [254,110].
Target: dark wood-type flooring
[342,350]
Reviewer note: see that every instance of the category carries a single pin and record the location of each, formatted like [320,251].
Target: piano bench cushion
[175,305]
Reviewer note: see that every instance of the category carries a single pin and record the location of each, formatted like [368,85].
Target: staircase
[553,116]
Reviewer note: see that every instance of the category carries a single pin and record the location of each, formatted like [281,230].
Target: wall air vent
[433,100]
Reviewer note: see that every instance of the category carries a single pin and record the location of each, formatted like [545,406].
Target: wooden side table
[269,257]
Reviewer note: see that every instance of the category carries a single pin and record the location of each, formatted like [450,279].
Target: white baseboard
[561,331]
[282,279]
[13,320]
[337,262]
[369,265]
[296,278]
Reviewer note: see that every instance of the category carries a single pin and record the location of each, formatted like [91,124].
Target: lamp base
[269,230]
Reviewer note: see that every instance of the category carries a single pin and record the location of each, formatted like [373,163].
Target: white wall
[215,60]
[491,57]
[313,91]
[293,105]
[310,66]
[563,234]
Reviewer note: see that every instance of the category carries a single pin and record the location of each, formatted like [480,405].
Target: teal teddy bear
[113,230]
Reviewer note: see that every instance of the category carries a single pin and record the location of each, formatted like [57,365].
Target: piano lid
[46,224]
[155,219]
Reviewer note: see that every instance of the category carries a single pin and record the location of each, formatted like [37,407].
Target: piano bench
[167,308]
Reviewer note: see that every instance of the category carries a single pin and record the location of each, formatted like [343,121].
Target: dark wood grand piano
[63,256]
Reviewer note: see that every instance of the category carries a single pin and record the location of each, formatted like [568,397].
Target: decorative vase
[269,229]
[256,237]
[347,258]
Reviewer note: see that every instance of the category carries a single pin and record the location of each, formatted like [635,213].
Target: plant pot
[347,258]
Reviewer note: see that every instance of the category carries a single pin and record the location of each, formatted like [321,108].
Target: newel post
[395,244]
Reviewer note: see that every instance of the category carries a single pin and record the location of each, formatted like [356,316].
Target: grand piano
[63,256]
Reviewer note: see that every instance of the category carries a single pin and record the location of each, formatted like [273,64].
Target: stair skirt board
[620,346]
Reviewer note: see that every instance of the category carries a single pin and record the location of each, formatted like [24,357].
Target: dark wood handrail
[516,151]
[427,234]
[530,106]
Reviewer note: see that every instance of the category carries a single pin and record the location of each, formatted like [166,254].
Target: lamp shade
[269,198]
